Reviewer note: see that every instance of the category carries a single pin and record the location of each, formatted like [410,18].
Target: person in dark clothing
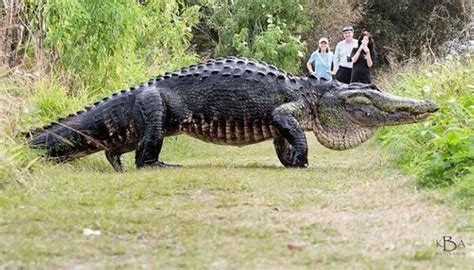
[363,58]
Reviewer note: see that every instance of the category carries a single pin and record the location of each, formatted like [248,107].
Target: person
[363,58]
[342,55]
[322,60]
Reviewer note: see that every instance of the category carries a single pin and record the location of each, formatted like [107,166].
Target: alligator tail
[63,140]
[85,131]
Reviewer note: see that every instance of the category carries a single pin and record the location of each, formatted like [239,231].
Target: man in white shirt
[342,55]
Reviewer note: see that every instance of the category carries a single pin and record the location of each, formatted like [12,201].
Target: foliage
[403,29]
[101,46]
[272,46]
[329,18]
[441,150]
[16,160]
[50,100]
[269,31]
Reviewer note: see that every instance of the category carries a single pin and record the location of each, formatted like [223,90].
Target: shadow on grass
[99,167]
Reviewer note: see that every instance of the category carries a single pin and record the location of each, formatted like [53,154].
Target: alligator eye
[361,100]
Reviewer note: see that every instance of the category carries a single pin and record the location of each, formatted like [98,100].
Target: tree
[403,29]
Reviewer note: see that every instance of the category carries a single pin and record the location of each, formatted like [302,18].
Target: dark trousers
[343,74]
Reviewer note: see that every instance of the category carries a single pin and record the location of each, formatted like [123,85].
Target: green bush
[269,31]
[273,46]
[95,48]
[439,151]
[103,46]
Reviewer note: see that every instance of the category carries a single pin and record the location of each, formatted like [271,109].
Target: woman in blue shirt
[322,60]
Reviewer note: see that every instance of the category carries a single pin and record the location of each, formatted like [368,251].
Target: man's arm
[331,64]
[337,58]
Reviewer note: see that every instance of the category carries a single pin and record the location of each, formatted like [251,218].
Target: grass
[440,151]
[228,208]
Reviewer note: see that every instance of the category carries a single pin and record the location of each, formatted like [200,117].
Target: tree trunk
[10,32]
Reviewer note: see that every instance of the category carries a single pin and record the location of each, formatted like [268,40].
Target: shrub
[102,46]
[269,31]
[439,151]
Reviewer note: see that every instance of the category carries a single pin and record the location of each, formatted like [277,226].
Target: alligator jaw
[372,108]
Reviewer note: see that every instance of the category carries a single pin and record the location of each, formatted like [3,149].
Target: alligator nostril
[433,106]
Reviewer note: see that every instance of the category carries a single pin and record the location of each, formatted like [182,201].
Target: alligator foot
[288,155]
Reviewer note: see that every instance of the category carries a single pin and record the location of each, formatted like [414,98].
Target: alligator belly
[229,131]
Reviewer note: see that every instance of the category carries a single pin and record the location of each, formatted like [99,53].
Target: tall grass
[440,151]
[16,160]
[88,49]
[102,46]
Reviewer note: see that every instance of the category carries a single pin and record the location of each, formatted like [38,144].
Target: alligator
[230,101]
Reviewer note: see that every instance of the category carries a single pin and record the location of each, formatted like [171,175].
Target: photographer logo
[450,246]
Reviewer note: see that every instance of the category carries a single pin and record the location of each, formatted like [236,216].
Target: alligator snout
[429,106]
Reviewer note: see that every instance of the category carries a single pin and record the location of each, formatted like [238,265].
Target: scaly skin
[231,101]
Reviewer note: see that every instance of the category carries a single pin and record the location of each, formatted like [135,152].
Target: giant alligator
[231,101]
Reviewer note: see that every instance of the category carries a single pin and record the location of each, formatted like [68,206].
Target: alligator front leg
[290,145]
[149,114]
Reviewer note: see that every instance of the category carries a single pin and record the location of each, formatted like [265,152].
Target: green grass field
[230,207]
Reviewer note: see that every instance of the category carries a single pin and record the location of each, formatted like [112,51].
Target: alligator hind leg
[149,113]
[114,159]
[290,145]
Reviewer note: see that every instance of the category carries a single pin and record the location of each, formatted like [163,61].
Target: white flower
[426,89]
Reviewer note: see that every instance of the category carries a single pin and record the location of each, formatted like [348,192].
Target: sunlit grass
[227,207]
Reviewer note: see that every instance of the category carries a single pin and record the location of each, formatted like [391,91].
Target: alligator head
[348,115]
